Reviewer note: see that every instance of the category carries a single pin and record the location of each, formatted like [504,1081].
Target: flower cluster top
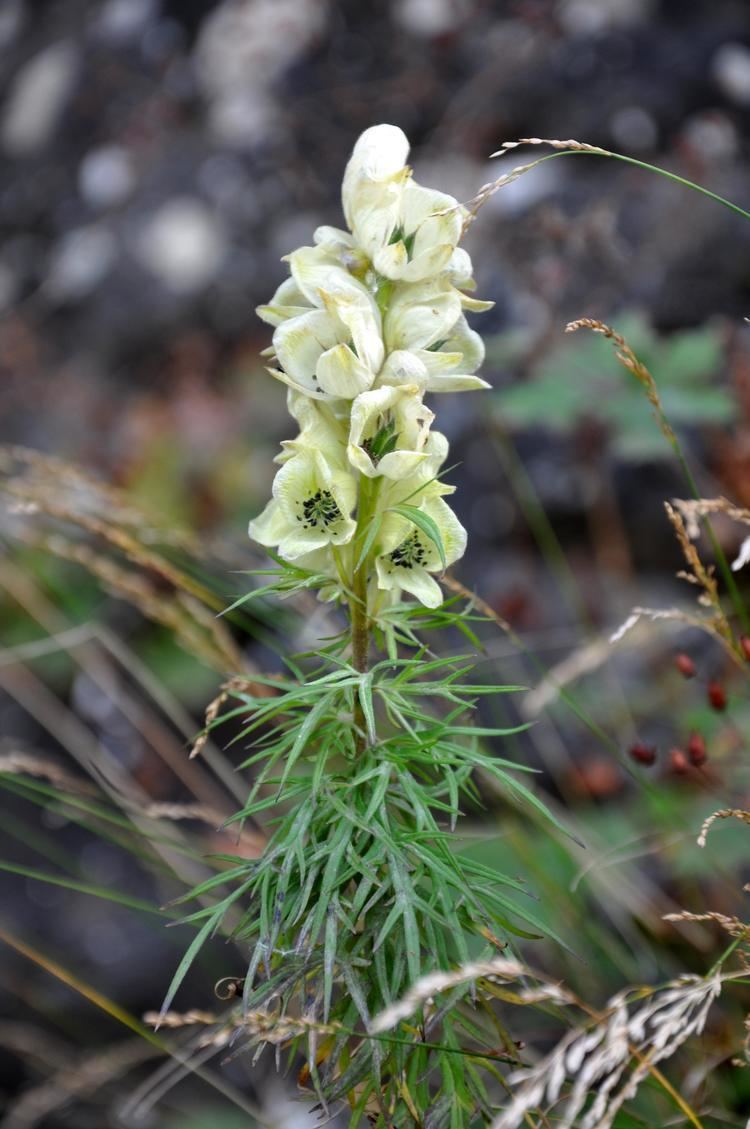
[370,321]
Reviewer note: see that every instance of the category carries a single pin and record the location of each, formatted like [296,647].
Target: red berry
[717,698]
[685,665]
[678,761]
[642,753]
[745,646]
[696,750]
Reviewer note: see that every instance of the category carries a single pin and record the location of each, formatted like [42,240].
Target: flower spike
[370,322]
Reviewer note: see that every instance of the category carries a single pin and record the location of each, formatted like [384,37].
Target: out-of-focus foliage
[575,381]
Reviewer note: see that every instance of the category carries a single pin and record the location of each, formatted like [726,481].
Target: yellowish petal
[342,374]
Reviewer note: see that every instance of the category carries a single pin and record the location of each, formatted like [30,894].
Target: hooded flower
[408,556]
[333,346]
[408,232]
[321,429]
[287,302]
[317,358]
[373,185]
[310,509]
[426,236]
[421,315]
[389,429]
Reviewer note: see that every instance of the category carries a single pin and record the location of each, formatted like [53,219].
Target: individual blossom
[426,473]
[388,432]
[328,285]
[453,361]
[373,185]
[321,428]
[408,556]
[310,509]
[408,232]
[332,345]
[421,315]
[287,302]
[447,366]
[317,359]
[422,245]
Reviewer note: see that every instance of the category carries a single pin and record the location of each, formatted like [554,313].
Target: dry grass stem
[70,1082]
[38,487]
[731,925]
[214,707]
[198,812]
[18,763]
[586,659]
[724,813]
[489,190]
[261,1025]
[677,615]
[627,358]
[213,647]
[554,143]
[481,605]
[612,1057]
[33,476]
[35,1046]
[428,986]
[693,509]
[702,577]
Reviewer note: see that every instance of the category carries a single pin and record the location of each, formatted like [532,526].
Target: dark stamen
[320,508]
[409,553]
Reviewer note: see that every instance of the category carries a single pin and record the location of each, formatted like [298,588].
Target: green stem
[593,151]
[662,172]
[360,622]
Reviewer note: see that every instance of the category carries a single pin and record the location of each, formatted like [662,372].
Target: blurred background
[159,157]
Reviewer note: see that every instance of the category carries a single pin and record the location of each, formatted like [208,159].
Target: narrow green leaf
[103,892]
[521,791]
[393,916]
[404,887]
[378,796]
[306,731]
[329,959]
[364,691]
[372,531]
[197,944]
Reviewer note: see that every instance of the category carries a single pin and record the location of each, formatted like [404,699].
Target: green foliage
[361,889]
[576,380]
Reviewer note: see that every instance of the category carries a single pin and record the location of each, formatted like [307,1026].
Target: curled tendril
[228,987]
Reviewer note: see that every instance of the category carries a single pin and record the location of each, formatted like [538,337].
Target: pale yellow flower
[420,315]
[389,430]
[310,509]
[408,556]
[321,429]
[409,232]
